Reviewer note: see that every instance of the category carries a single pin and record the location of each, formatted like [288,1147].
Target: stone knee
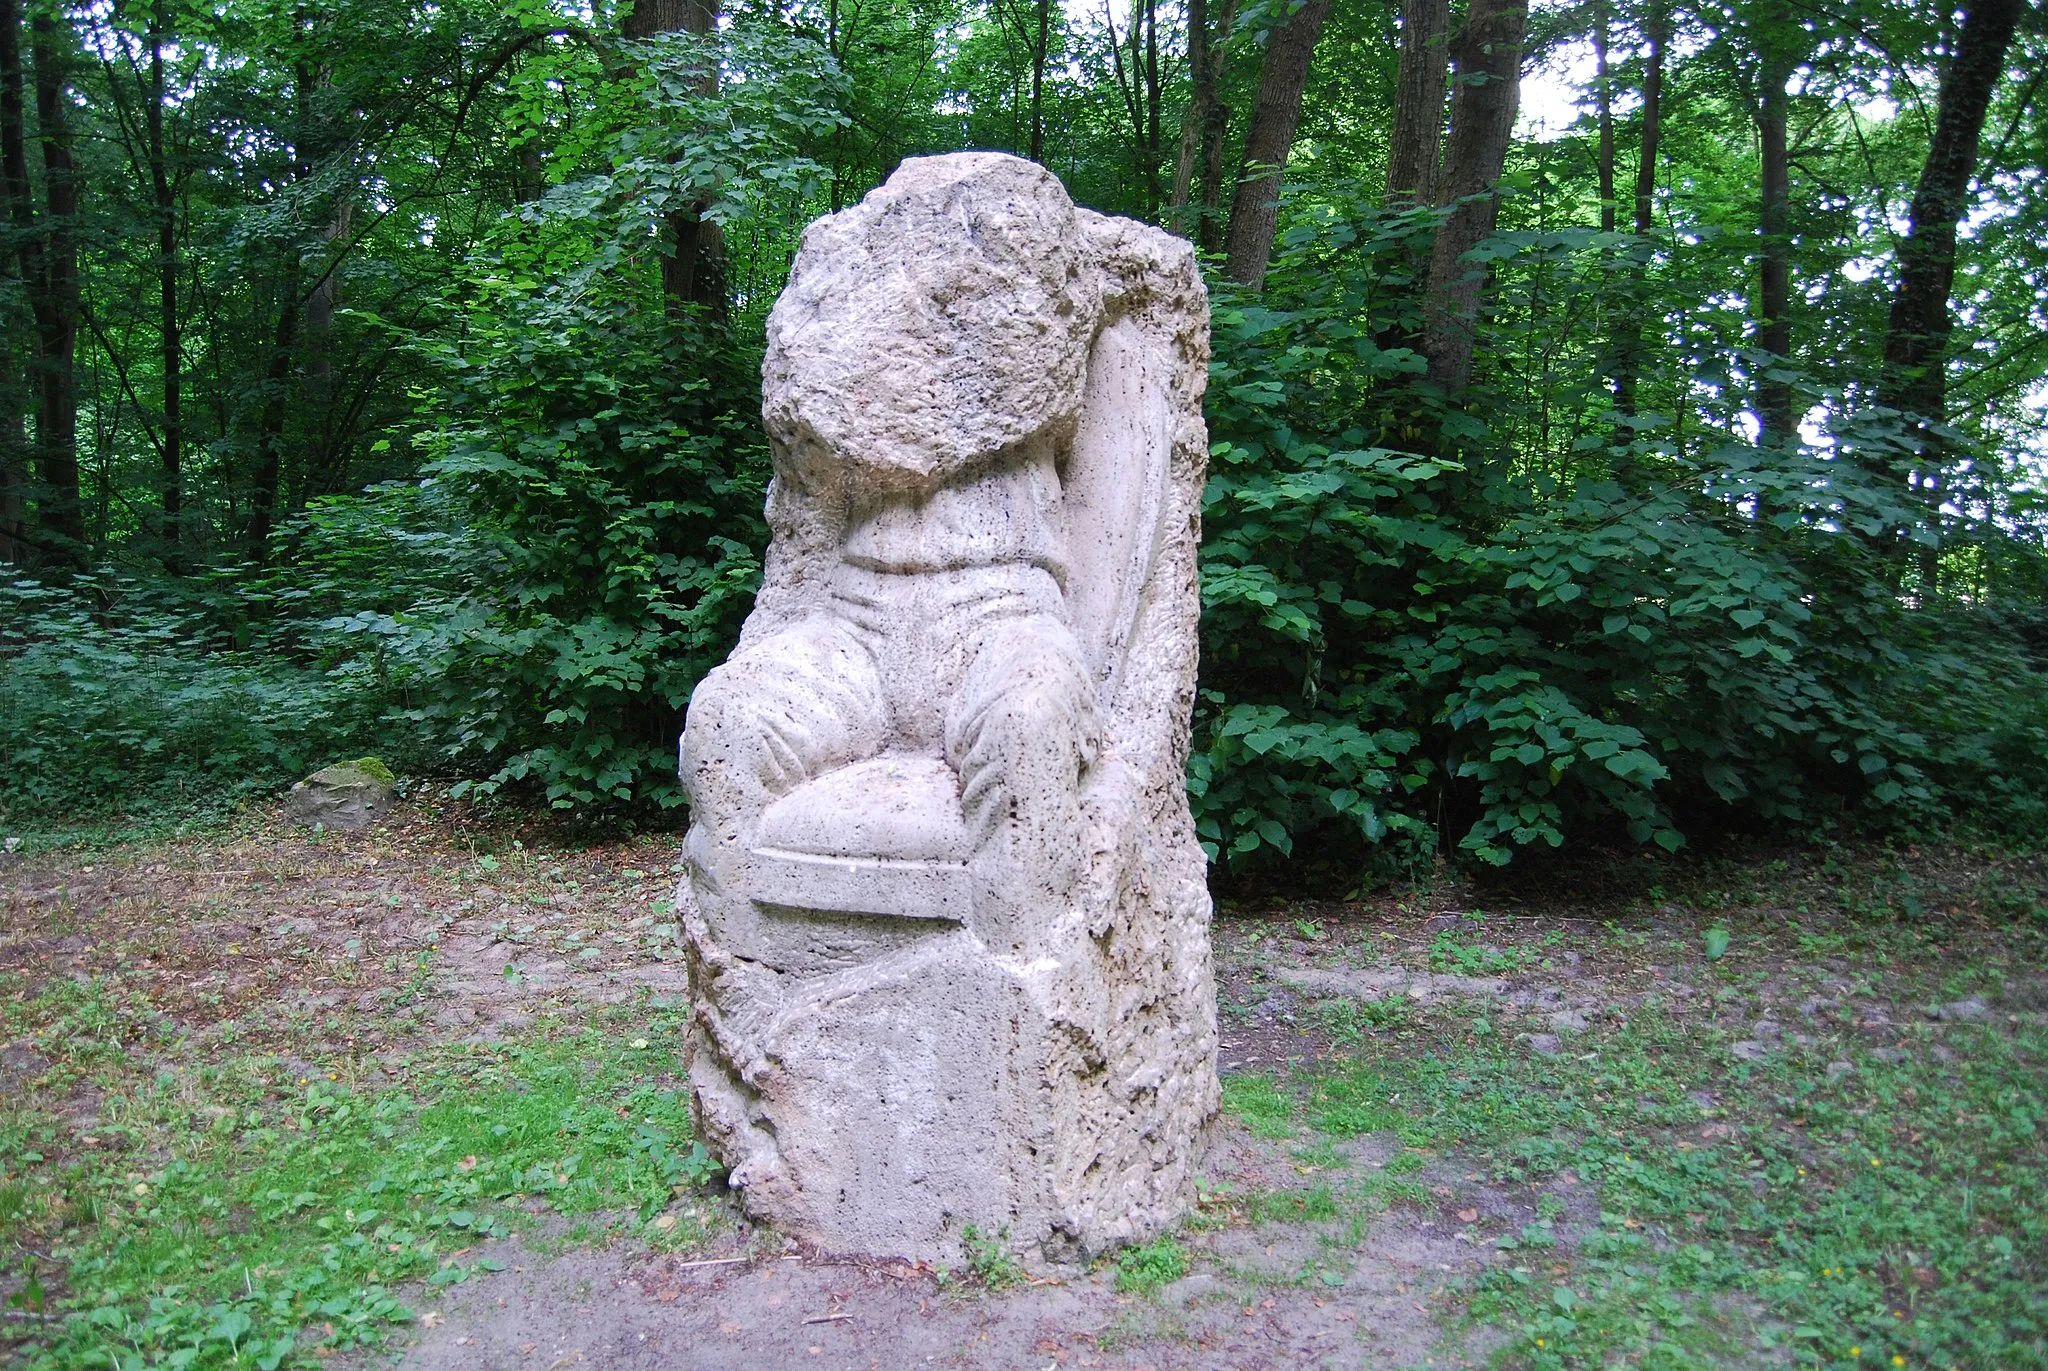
[1022,729]
[773,716]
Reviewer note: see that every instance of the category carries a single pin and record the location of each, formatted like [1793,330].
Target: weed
[1141,1270]
[1260,1104]
[988,1256]
[1349,1021]
[1451,955]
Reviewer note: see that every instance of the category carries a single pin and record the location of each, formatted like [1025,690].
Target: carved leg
[1020,731]
[777,714]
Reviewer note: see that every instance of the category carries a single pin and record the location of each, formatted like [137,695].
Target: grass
[1892,1216]
[257,1211]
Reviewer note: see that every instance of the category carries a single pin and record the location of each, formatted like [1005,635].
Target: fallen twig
[711,1261]
[828,1318]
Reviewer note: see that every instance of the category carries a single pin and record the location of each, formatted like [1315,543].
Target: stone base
[888,1107]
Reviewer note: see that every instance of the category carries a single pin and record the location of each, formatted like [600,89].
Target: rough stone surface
[946,914]
[347,795]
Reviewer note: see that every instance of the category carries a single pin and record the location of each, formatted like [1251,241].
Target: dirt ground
[438,927]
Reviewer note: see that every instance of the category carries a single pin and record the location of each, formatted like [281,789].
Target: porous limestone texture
[946,914]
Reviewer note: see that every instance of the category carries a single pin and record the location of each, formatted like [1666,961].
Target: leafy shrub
[1412,635]
[119,698]
[602,443]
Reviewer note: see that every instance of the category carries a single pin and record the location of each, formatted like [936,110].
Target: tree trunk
[1628,351]
[1916,337]
[1488,56]
[1603,105]
[19,212]
[1154,139]
[173,441]
[1198,174]
[1915,376]
[1418,137]
[1774,303]
[60,510]
[276,395]
[693,271]
[327,474]
[1255,208]
[1039,52]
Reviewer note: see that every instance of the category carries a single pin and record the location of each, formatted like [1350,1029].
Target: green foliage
[121,697]
[601,444]
[989,1258]
[1142,1269]
[1464,646]
[237,1233]
[604,489]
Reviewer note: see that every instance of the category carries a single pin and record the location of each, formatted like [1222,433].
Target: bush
[1412,635]
[121,699]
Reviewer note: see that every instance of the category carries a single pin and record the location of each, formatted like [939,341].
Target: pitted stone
[946,914]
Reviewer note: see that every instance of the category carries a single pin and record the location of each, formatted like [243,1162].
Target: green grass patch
[1143,1269]
[1260,1105]
[1896,1212]
[253,1214]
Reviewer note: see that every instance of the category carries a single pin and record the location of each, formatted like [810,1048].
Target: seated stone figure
[942,631]
[942,881]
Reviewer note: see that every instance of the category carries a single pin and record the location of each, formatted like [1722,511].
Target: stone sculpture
[946,914]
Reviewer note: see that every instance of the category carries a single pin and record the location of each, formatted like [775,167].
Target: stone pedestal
[946,914]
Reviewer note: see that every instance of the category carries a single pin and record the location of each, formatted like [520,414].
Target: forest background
[383,378]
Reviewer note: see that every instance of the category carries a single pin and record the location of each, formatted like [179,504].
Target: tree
[1255,208]
[1779,61]
[1915,374]
[1487,55]
[1416,144]
[1198,172]
[48,250]
[1139,90]
[1628,346]
[693,268]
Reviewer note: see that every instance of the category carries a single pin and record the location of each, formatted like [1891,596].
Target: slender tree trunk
[1774,303]
[1916,338]
[1154,142]
[1130,84]
[1418,136]
[1255,208]
[1603,105]
[1915,376]
[1628,349]
[326,474]
[173,441]
[1488,56]
[19,211]
[1198,174]
[60,508]
[277,389]
[1039,52]
[693,271]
